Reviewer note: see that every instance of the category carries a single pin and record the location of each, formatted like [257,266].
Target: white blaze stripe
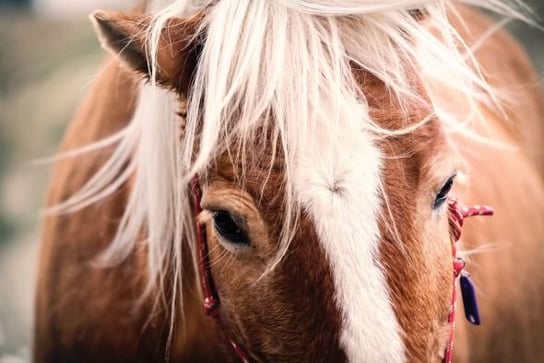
[347,225]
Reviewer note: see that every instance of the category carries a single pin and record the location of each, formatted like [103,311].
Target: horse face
[364,266]
[367,275]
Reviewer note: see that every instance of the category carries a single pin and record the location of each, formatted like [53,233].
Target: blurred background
[48,56]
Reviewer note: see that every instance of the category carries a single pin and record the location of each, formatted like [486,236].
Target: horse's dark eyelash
[443,193]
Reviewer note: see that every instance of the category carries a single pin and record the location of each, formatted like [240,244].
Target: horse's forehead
[339,187]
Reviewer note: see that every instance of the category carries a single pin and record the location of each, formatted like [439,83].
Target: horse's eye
[442,195]
[229,229]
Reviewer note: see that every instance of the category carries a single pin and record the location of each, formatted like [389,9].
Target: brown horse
[325,137]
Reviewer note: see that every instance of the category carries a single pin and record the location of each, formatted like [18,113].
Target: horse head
[324,178]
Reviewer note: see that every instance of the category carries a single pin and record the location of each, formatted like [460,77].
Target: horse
[293,166]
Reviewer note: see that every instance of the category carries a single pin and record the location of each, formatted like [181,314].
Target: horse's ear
[125,35]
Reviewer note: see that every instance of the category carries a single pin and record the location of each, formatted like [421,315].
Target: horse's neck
[73,240]
[84,318]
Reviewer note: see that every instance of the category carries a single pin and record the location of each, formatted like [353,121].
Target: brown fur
[422,312]
[90,314]
[84,313]
[281,334]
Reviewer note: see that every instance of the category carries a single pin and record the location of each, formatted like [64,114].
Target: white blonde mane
[291,59]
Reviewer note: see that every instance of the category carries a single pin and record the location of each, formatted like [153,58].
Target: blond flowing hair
[286,61]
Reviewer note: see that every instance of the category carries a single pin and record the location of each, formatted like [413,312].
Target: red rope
[456,218]
[211,301]
[211,298]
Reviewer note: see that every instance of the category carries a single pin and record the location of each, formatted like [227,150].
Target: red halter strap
[456,217]
[211,299]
